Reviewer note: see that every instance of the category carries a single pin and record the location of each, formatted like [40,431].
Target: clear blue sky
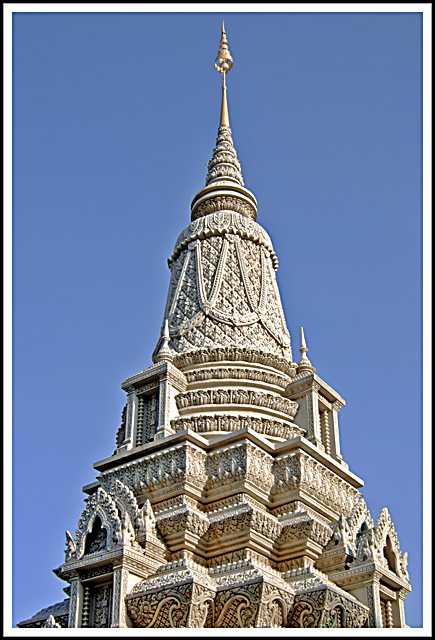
[115,118]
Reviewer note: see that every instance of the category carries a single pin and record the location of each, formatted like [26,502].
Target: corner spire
[304,364]
[224,63]
[164,352]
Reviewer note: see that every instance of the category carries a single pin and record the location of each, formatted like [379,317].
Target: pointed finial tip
[224,60]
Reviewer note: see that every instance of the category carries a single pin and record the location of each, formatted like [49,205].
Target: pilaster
[130,421]
[75,606]
[335,440]
[163,426]
[120,589]
[398,607]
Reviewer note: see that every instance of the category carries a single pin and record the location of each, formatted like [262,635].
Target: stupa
[227,502]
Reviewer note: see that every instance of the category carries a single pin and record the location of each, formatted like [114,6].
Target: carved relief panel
[101,606]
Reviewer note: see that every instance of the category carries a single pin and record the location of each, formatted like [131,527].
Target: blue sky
[115,119]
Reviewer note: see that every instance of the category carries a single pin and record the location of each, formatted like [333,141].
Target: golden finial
[223,63]
[224,60]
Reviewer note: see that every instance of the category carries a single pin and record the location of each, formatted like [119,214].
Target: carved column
[130,419]
[324,420]
[335,439]
[164,400]
[120,587]
[140,419]
[86,606]
[398,609]
[388,615]
[314,426]
[75,605]
[374,603]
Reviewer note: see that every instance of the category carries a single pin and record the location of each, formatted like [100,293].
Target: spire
[304,364]
[224,163]
[224,188]
[224,63]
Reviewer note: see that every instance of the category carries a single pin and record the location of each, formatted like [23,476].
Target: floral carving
[325,608]
[301,471]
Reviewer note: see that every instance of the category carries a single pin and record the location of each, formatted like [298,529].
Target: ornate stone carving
[233,373]
[359,515]
[145,520]
[183,520]
[156,471]
[51,623]
[325,608]
[222,422]
[230,465]
[120,434]
[122,496]
[228,203]
[295,528]
[235,354]
[244,518]
[260,603]
[371,601]
[176,598]
[298,470]
[224,162]
[73,607]
[99,504]
[235,301]
[95,573]
[101,606]
[71,546]
[238,397]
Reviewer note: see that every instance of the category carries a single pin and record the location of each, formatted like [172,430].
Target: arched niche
[389,555]
[96,539]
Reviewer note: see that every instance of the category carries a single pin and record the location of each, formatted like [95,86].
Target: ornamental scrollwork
[102,505]
[325,608]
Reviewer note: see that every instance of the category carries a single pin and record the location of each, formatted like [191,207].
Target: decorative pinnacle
[223,63]
[224,60]
[164,353]
[304,364]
